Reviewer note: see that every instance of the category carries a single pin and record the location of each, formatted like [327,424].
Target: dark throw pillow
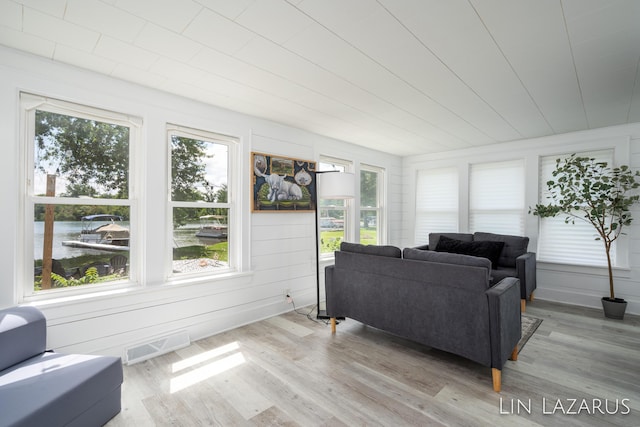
[483,249]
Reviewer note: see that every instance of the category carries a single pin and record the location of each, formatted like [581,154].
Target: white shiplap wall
[279,249]
[569,284]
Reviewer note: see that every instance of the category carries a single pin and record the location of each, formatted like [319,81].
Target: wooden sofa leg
[496,375]
[531,297]
[333,325]
[523,305]
[514,354]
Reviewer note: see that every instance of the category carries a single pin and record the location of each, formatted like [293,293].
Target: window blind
[569,243]
[436,202]
[496,197]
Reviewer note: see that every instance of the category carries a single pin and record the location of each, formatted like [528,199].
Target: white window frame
[234,222]
[347,208]
[437,196]
[29,104]
[379,208]
[497,189]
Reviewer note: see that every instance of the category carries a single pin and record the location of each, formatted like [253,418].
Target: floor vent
[154,348]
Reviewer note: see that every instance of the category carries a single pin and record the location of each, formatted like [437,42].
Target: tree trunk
[607,247]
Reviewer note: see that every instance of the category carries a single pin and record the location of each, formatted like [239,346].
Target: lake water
[70,230]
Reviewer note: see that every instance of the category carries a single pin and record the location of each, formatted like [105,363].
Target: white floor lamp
[330,185]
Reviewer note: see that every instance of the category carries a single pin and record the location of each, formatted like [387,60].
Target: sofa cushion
[58,389]
[435,237]
[514,246]
[484,249]
[390,251]
[446,258]
[501,273]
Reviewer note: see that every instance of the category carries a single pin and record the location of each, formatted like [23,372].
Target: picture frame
[282,184]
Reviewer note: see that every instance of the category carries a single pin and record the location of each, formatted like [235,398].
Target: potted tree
[585,189]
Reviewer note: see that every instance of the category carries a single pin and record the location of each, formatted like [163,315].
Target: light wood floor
[289,370]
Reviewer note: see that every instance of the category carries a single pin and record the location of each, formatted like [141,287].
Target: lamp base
[322,314]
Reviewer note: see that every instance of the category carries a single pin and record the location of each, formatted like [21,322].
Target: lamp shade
[336,185]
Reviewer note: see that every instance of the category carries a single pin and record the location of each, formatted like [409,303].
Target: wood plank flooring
[291,371]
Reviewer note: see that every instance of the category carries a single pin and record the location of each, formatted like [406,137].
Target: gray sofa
[513,260]
[44,388]
[442,300]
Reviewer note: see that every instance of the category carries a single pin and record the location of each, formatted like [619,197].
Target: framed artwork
[283,184]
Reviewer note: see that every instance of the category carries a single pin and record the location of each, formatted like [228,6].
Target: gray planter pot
[614,308]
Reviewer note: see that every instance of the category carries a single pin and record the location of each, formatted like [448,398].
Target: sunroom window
[201,203]
[436,203]
[496,197]
[80,223]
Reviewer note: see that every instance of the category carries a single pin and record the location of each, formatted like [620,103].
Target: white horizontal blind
[436,202]
[496,197]
[569,243]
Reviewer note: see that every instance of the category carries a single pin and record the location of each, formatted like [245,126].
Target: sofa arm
[23,334]
[526,272]
[422,247]
[504,319]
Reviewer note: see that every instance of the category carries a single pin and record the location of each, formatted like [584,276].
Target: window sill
[622,272]
[194,279]
[62,298]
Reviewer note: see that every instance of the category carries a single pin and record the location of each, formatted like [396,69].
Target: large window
[333,213]
[371,197]
[201,207]
[496,197]
[569,243]
[436,202]
[80,221]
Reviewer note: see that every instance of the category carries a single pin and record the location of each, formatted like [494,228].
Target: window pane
[496,197]
[368,227]
[86,157]
[436,203]
[571,243]
[199,170]
[370,205]
[502,221]
[200,240]
[368,189]
[331,230]
[80,237]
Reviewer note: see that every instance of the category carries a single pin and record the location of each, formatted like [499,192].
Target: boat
[103,232]
[212,228]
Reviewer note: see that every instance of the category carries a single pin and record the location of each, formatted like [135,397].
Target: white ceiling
[402,76]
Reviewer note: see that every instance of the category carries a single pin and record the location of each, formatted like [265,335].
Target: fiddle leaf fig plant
[588,190]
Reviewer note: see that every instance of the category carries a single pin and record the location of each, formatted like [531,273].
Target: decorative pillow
[435,237]
[483,249]
[514,246]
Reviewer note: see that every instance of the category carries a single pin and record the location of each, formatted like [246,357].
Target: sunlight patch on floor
[204,372]
[204,356]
